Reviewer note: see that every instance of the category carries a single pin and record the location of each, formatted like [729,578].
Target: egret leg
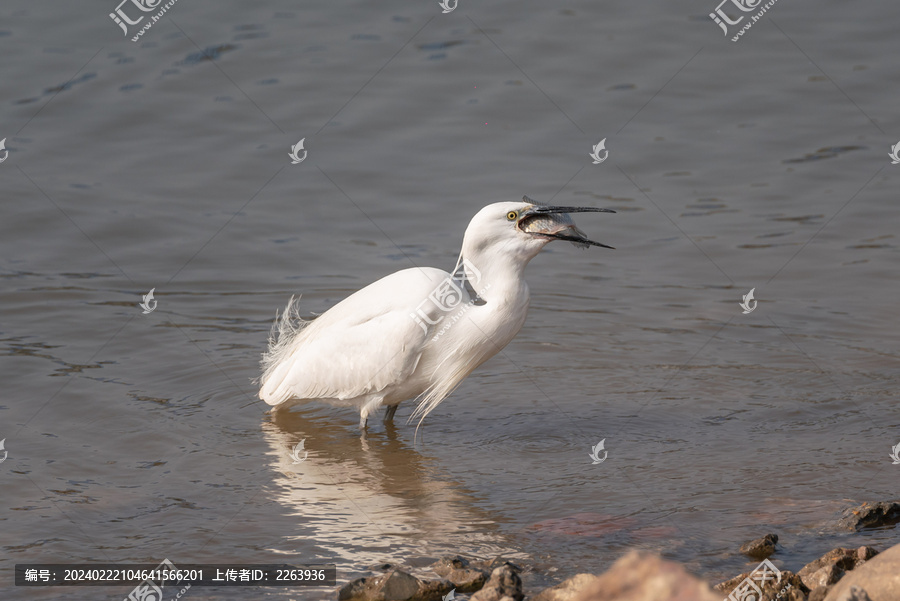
[365,410]
[389,413]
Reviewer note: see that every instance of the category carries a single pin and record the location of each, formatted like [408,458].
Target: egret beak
[555,223]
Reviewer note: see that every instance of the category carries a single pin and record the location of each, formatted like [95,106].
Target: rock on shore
[465,576]
[503,585]
[644,577]
[879,577]
[395,585]
[840,575]
[832,566]
[788,588]
[870,515]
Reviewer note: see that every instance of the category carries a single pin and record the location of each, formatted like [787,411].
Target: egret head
[522,229]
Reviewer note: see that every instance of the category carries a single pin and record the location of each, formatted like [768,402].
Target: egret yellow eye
[512,215]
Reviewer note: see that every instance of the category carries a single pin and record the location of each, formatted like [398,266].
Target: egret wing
[365,344]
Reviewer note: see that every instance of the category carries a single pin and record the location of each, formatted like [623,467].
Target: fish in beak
[556,224]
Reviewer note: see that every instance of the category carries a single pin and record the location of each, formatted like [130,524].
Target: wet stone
[395,585]
[761,548]
[504,583]
[464,576]
[871,515]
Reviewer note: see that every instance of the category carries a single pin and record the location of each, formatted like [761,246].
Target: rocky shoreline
[842,574]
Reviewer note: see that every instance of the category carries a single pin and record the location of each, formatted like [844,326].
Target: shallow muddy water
[163,164]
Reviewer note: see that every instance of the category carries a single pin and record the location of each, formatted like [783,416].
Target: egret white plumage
[419,332]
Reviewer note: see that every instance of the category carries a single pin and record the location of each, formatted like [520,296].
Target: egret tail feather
[282,338]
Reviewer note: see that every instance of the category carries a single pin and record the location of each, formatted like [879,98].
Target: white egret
[419,332]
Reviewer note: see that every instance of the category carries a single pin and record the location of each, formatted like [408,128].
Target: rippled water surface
[164,164]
